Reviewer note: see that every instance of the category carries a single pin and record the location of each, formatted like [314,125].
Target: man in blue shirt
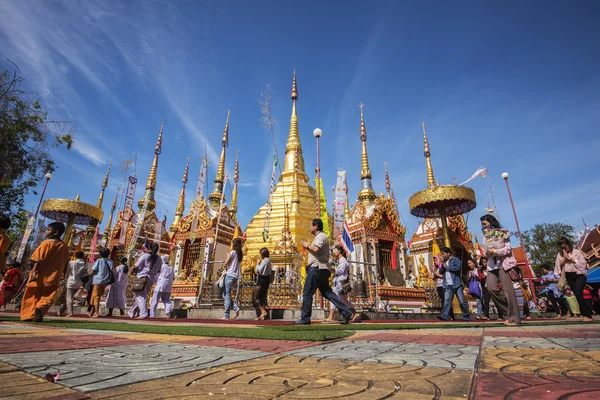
[453,284]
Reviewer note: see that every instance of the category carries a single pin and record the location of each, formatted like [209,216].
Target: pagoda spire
[366,195]
[233,206]
[215,197]
[295,188]
[293,147]
[346,207]
[151,182]
[104,185]
[108,227]
[388,184]
[181,203]
[427,153]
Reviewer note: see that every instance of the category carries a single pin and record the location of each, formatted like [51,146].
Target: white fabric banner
[481,171]
[340,203]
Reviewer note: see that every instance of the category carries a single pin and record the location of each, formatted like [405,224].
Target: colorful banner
[481,171]
[40,234]
[323,208]
[199,188]
[94,244]
[128,210]
[25,239]
[265,233]
[339,203]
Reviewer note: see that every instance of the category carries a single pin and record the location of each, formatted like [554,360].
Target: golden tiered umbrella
[440,201]
[71,212]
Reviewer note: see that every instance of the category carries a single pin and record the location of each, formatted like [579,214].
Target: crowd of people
[491,278]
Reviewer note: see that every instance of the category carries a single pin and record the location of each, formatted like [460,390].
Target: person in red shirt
[588,298]
[11,280]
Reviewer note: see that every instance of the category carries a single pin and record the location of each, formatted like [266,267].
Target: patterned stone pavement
[541,362]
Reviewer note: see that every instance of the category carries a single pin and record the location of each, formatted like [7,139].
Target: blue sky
[512,86]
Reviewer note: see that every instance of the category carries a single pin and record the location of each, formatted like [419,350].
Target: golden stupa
[292,188]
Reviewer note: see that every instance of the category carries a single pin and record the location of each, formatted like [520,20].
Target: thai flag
[347,240]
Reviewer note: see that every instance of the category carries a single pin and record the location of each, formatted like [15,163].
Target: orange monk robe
[4,243]
[52,257]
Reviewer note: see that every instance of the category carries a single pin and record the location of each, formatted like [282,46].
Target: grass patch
[272,333]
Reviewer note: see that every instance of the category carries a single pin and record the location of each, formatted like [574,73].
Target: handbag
[138,284]
[346,287]
[474,287]
[515,274]
[111,276]
[221,281]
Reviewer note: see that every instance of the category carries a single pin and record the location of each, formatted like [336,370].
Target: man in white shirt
[317,275]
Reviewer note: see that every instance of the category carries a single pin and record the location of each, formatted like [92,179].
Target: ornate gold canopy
[71,211]
[454,200]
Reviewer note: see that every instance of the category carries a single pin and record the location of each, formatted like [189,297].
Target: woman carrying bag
[572,266]
[341,283]
[147,269]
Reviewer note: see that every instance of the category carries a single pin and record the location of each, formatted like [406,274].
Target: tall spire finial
[215,197]
[293,145]
[151,182]
[366,195]
[104,185]
[181,203]
[388,185]
[346,206]
[233,206]
[108,227]
[427,153]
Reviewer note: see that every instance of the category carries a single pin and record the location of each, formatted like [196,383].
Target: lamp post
[48,176]
[505,177]
[317,133]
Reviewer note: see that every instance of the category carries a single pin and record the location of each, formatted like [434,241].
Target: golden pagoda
[181,203]
[91,229]
[292,188]
[151,228]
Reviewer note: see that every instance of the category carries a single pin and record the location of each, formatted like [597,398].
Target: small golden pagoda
[197,250]
[150,226]
[292,188]
[378,237]
[91,229]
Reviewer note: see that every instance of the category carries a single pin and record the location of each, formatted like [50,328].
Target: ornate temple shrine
[150,227]
[202,238]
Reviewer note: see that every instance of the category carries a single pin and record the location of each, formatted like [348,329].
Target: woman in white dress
[116,297]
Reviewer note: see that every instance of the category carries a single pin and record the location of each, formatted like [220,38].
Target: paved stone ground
[528,362]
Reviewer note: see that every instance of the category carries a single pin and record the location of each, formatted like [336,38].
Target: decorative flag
[323,203]
[339,203]
[481,171]
[25,239]
[128,210]
[40,234]
[346,239]
[94,243]
[265,233]
[139,223]
[199,187]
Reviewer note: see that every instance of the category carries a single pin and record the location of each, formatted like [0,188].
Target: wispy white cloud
[90,152]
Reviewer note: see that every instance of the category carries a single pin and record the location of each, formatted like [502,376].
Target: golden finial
[427,153]
[233,206]
[215,197]
[293,141]
[108,227]
[181,203]
[367,194]
[346,207]
[104,185]
[388,185]
[151,182]
[78,197]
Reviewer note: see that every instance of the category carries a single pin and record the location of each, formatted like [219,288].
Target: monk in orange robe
[4,240]
[49,262]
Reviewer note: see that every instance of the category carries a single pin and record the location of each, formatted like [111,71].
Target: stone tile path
[528,362]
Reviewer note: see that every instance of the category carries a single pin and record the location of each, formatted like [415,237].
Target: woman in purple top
[148,265]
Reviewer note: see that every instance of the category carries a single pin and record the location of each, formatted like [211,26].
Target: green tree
[540,243]
[26,138]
